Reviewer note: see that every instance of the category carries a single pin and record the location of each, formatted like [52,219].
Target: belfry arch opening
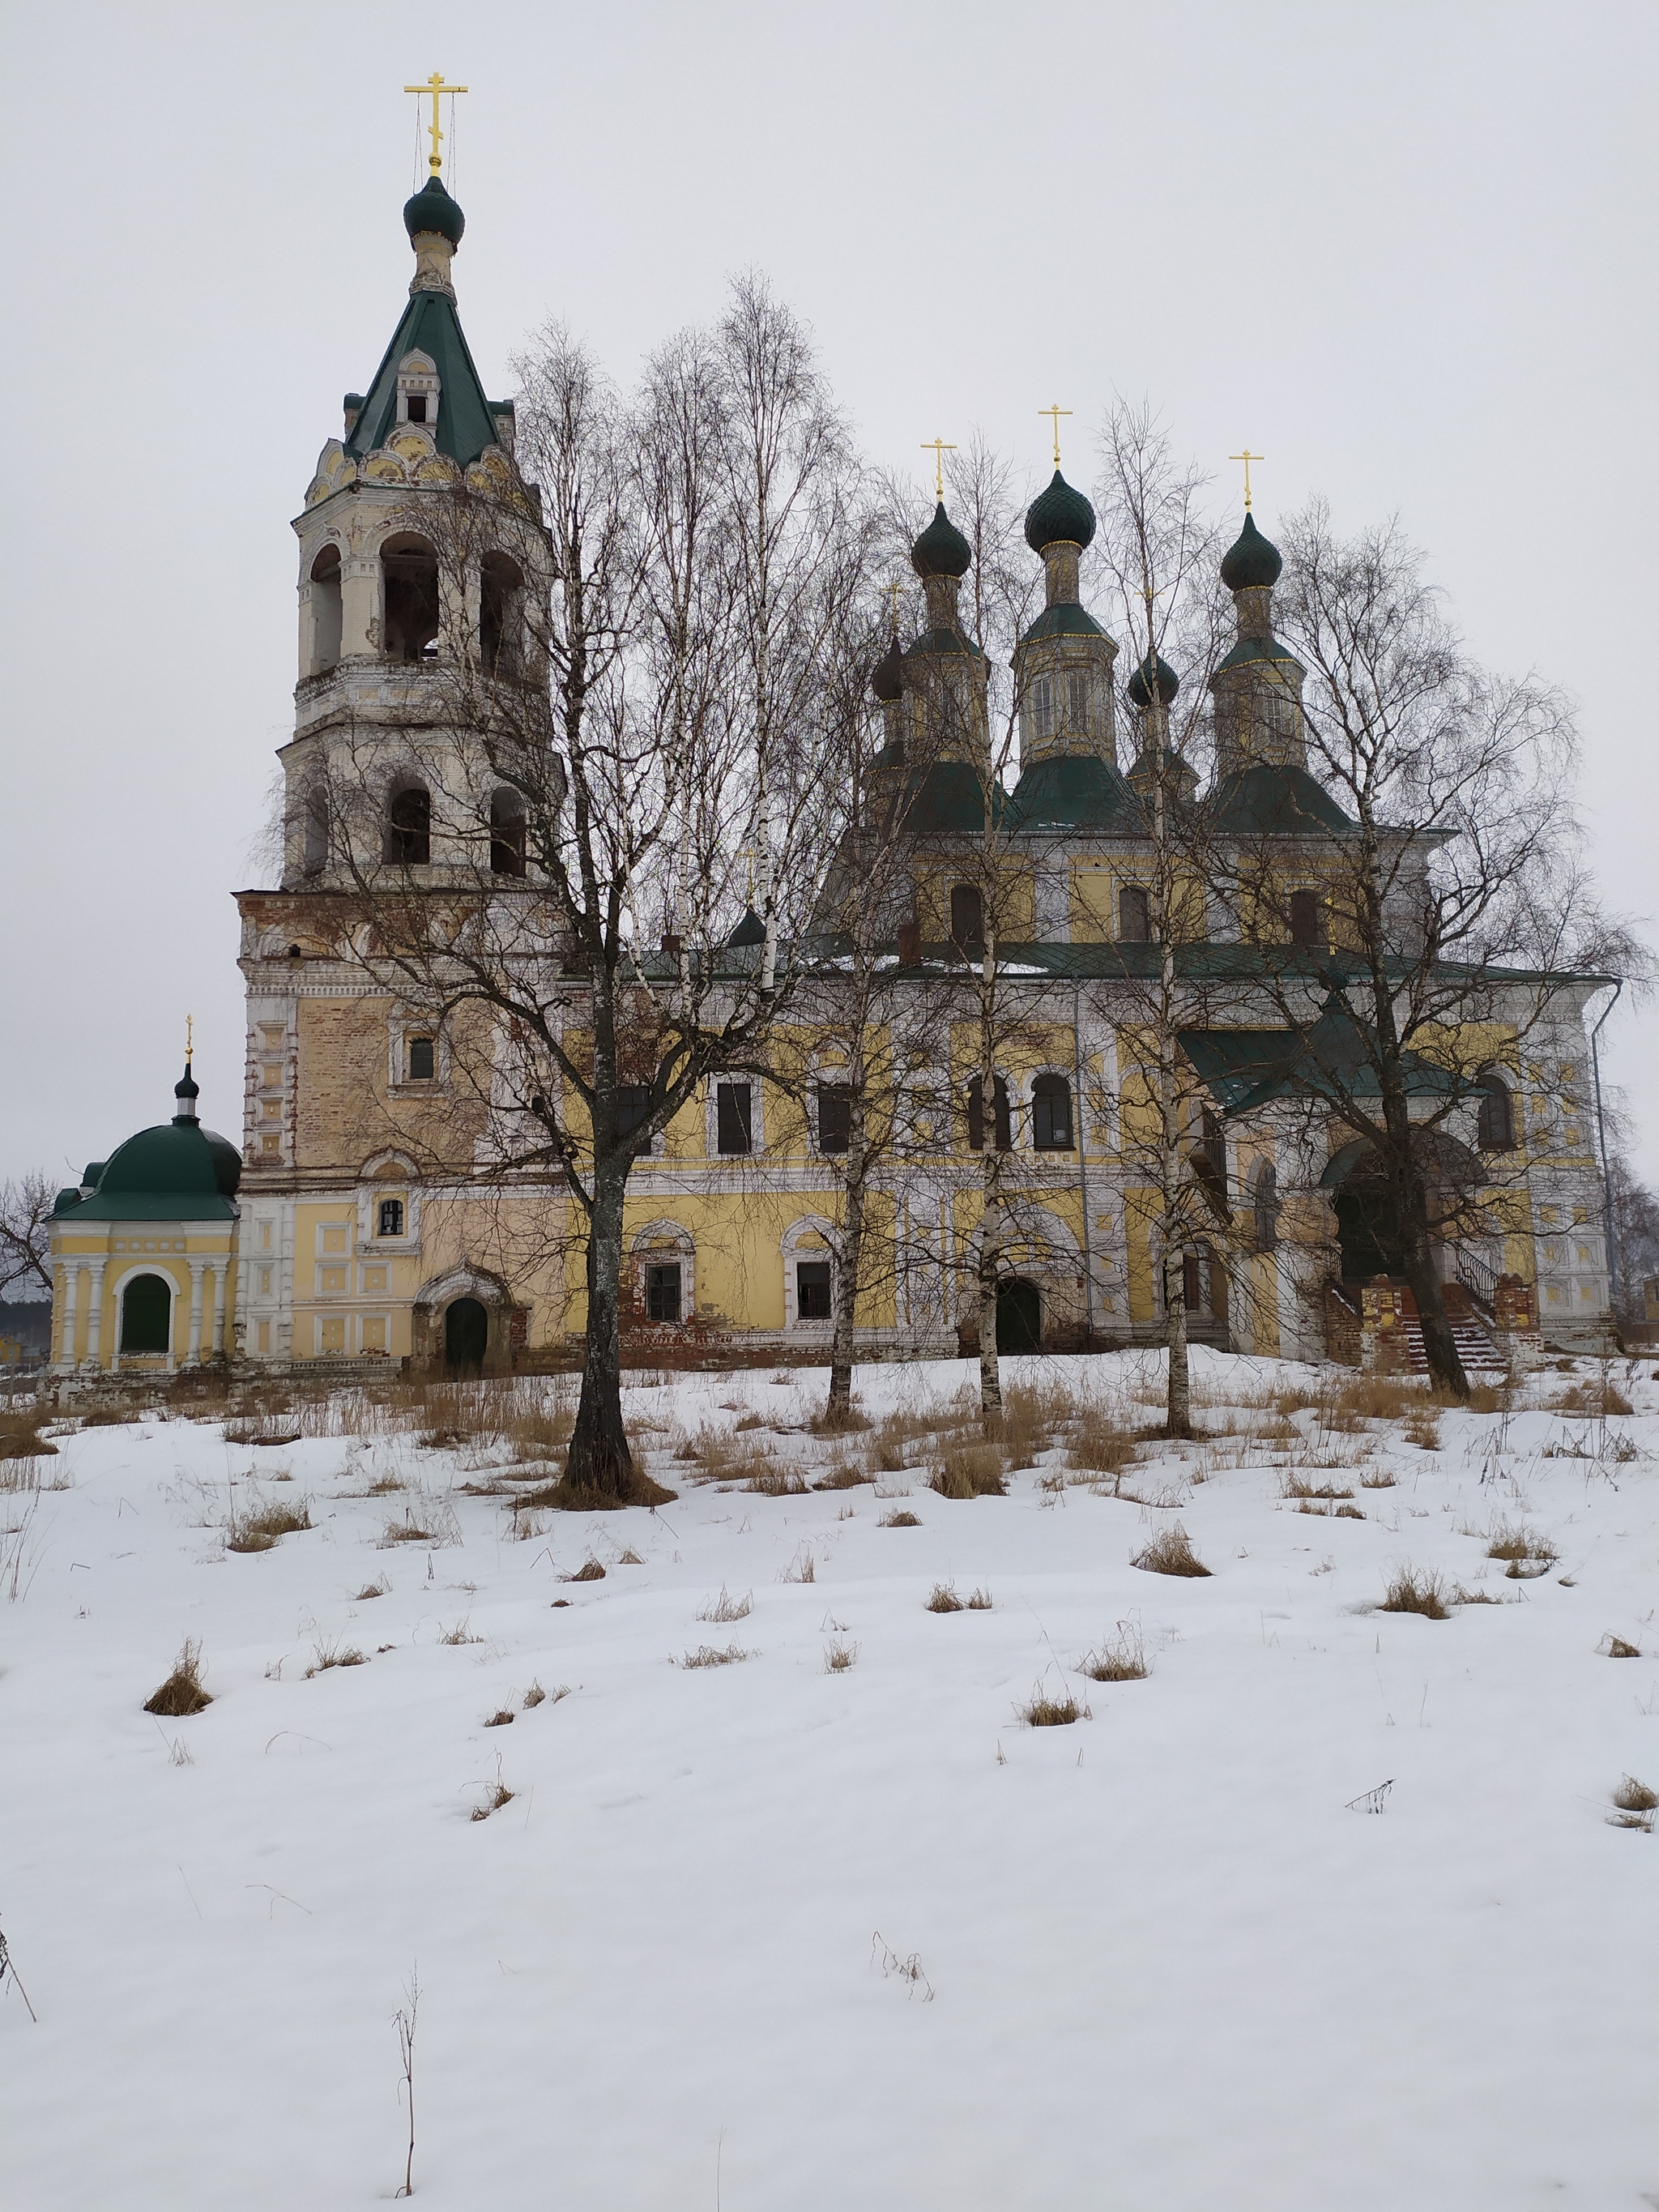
[325,610]
[501,589]
[409,827]
[507,833]
[409,598]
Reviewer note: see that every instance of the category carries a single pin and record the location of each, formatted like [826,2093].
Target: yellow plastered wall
[129,1248]
[1008,888]
[1095,886]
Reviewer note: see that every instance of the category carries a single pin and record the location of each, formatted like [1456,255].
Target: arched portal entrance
[466,1334]
[1020,1317]
[1369,1232]
[146,1314]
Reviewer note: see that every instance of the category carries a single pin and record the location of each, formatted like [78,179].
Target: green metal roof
[1073,791]
[1066,618]
[1269,799]
[1250,651]
[1331,1057]
[943,640]
[465,424]
[177,1171]
[950,796]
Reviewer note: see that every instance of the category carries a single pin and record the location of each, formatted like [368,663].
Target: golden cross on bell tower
[939,447]
[1247,457]
[895,587]
[1056,412]
[435,85]
[190,1037]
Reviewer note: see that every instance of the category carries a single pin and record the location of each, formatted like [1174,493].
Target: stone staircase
[1477,1346]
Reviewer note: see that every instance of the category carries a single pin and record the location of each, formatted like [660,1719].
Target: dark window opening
[1307,919]
[632,1107]
[1267,1207]
[1134,915]
[409,600]
[1020,1317]
[507,833]
[835,1117]
[1051,1113]
[418,407]
[1209,1159]
[813,1289]
[662,1291]
[1495,1126]
[1003,1138]
[326,610]
[733,1118]
[390,1218]
[967,919]
[408,827]
[500,584]
[422,1059]
[146,1314]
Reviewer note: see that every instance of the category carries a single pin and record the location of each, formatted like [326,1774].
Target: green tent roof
[950,796]
[1072,791]
[1270,800]
[466,422]
[1065,619]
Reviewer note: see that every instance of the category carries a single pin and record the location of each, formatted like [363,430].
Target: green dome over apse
[1251,559]
[941,549]
[432,209]
[1059,515]
[180,1159]
[1153,670]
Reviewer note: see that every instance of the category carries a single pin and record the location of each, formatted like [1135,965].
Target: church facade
[351,1226]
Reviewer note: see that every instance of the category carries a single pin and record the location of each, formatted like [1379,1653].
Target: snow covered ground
[1159,1959]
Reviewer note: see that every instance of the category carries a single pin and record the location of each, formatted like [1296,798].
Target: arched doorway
[146,1314]
[1020,1317]
[466,1334]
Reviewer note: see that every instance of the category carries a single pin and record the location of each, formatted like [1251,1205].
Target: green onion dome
[179,1159]
[1153,673]
[1251,559]
[887,677]
[432,209]
[941,549]
[1059,515]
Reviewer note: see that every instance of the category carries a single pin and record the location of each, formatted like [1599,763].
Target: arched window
[1209,1159]
[409,600]
[1043,706]
[1308,919]
[146,1314]
[314,857]
[1266,1194]
[326,612]
[1004,1138]
[967,919]
[1495,1127]
[1051,1113]
[507,833]
[500,584]
[409,827]
[1134,916]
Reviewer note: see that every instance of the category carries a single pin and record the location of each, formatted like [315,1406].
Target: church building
[324,1239]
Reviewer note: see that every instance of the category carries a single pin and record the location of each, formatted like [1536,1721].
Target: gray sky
[1406,252]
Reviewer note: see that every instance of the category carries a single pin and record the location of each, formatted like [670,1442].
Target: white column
[95,1315]
[217,1344]
[195,1352]
[71,1281]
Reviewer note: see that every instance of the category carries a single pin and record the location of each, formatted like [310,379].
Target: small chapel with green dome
[346,1227]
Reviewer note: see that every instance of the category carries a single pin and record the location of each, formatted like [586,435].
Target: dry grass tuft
[842,1475]
[373,1589]
[260,1522]
[1423,1429]
[1415,1591]
[768,1480]
[839,1656]
[1634,1797]
[182,1692]
[725,1608]
[850,1423]
[20,1432]
[1382,1478]
[1044,1710]
[334,1654]
[589,1572]
[979,1600]
[709,1654]
[1297,1485]
[970,1471]
[900,1520]
[503,1716]
[461,1633]
[1598,1397]
[1614,1647]
[111,1417]
[427,1519]
[1120,1658]
[800,1569]
[944,1599]
[1523,1547]
[1170,1553]
[496,1794]
[1099,1443]
[749,1421]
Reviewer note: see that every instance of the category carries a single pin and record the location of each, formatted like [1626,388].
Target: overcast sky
[1407,252]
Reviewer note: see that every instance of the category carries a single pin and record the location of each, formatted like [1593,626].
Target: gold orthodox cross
[190,1032]
[939,447]
[895,587]
[1055,413]
[435,85]
[1247,457]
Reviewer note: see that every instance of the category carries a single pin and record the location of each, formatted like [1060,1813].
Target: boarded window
[835,1116]
[1134,915]
[662,1291]
[733,1118]
[1051,1113]
[966,918]
[813,1289]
